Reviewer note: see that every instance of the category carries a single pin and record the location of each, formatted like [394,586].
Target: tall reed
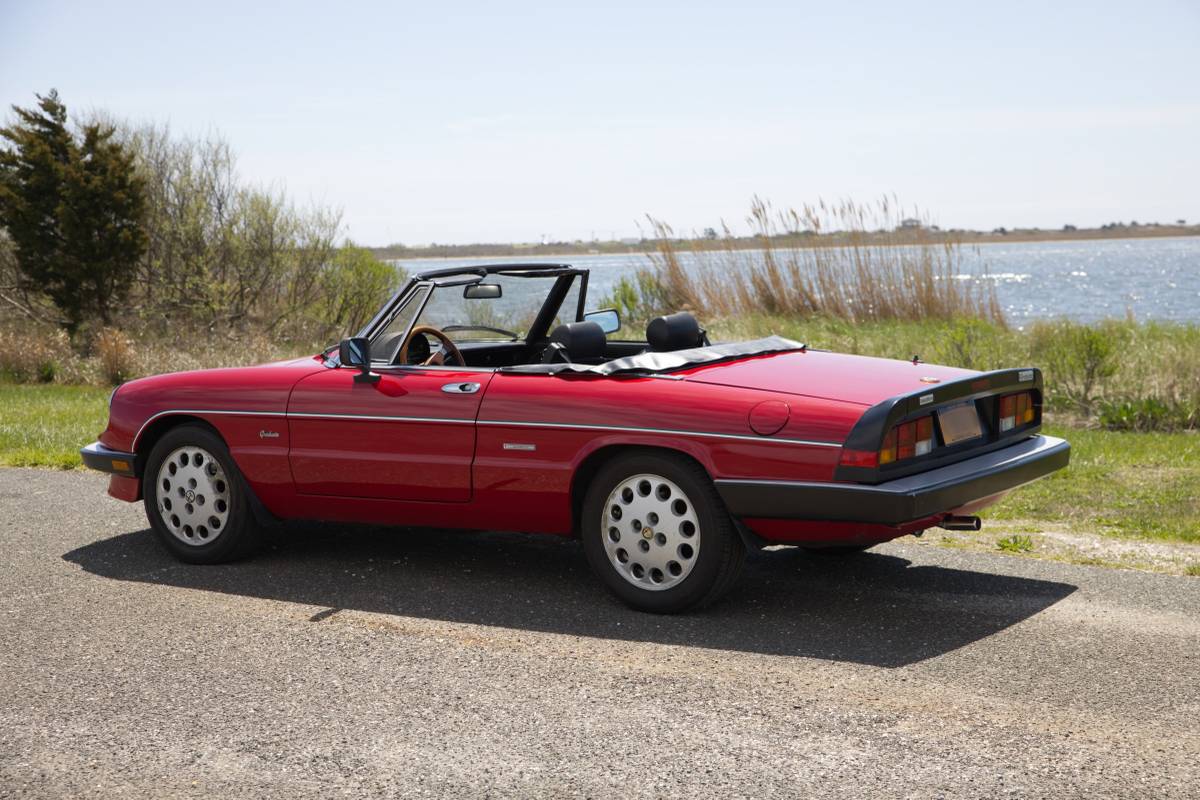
[845,260]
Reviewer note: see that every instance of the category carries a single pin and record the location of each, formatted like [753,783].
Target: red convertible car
[486,398]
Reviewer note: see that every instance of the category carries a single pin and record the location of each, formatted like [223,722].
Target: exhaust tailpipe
[955,523]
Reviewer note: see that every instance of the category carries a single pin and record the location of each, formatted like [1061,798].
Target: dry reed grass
[872,270]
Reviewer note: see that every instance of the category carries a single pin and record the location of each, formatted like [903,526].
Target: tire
[840,551]
[692,554]
[196,499]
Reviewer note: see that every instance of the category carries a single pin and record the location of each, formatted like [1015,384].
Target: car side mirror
[483,291]
[609,319]
[356,352]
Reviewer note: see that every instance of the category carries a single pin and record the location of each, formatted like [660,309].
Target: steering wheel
[437,358]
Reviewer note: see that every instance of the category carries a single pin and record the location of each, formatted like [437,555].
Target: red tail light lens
[908,440]
[859,458]
[1015,410]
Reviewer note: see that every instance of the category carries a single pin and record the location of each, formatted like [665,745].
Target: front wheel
[195,498]
[655,531]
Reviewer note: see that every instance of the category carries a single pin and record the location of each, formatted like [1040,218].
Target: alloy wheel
[650,531]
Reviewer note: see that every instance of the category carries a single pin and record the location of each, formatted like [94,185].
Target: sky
[463,122]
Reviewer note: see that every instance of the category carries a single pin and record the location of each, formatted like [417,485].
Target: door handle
[461,388]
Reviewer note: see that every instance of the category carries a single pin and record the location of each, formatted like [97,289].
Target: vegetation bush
[72,204]
[1078,360]
[115,353]
[201,268]
[26,358]
[1147,414]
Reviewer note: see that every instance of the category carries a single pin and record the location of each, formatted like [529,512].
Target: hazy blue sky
[456,122]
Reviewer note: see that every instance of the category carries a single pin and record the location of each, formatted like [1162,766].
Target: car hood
[833,376]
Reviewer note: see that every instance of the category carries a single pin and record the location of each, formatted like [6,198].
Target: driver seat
[576,343]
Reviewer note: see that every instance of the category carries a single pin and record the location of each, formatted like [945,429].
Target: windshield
[388,340]
[504,318]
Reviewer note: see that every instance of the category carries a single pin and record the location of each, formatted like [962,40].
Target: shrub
[1077,360]
[1147,414]
[357,284]
[641,299]
[976,344]
[33,355]
[116,355]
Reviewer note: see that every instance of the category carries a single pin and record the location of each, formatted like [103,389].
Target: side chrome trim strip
[490,422]
[370,418]
[666,431]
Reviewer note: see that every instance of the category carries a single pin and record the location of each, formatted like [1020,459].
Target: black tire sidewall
[232,541]
[715,527]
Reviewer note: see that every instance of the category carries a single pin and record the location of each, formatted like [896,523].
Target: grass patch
[44,426]
[1015,544]
[1144,485]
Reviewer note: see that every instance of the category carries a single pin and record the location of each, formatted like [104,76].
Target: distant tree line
[107,224]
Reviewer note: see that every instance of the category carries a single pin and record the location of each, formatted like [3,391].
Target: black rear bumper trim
[98,457]
[904,499]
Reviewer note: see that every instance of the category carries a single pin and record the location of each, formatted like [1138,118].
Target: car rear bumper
[97,456]
[902,500]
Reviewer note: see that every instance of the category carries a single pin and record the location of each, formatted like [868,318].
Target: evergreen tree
[73,209]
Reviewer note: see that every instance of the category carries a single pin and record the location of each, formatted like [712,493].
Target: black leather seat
[576,342]
[678,331]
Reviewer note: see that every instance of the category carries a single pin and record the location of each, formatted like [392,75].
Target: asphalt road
[366,662]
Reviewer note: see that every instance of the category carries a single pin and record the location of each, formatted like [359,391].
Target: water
[1152,279]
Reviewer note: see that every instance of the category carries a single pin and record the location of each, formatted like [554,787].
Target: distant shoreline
[918,236]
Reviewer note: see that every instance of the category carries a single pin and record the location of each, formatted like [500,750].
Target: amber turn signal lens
[1015,410]
[908,440]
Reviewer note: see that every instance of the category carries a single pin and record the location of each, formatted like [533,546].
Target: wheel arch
[595,461]
[158,427]
[153,432]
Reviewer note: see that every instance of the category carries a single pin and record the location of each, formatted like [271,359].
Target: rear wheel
[195,498]
[655,531]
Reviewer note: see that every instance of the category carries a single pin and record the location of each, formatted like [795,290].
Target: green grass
[44,426]
[1144,485]
[1015,544]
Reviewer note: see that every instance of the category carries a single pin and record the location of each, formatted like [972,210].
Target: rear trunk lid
[832,376]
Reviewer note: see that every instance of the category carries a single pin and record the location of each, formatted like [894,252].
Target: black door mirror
[356,352]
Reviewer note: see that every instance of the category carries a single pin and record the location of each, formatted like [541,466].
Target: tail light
[1015,410]
[907,440]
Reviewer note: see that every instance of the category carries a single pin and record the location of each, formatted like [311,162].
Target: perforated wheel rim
[650,531]
[193,496]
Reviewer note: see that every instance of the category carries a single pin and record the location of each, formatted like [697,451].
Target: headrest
[581,340]
[674,332]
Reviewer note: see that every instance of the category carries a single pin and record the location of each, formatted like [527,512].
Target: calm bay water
[1153,279]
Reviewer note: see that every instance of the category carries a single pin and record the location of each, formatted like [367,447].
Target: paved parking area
[365,662]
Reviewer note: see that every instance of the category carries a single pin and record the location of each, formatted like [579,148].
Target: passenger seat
[678,331]
[576,343]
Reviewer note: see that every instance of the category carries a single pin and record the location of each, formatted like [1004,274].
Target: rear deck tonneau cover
[667,362]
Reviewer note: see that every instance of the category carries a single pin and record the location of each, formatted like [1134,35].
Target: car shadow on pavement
[873,609]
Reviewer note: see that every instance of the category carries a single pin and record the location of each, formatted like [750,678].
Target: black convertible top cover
[654,363]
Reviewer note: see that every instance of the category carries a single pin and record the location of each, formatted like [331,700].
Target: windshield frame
[465,276]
